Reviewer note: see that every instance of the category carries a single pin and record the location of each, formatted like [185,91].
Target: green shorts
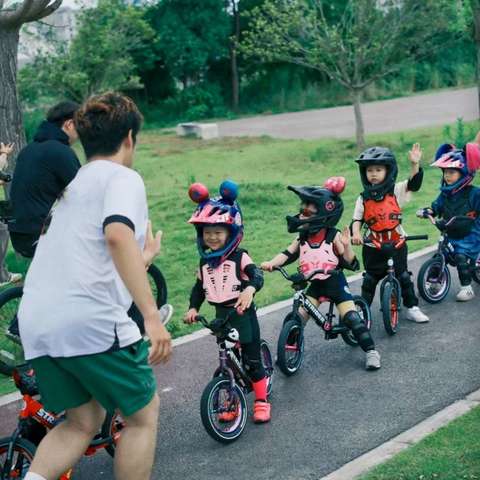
[121,379]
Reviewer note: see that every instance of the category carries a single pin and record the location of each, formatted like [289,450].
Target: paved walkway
[404,113]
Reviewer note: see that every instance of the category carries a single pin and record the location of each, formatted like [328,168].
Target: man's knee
[146,416]
[87,418]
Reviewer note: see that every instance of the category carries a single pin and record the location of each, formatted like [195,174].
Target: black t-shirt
[43,169]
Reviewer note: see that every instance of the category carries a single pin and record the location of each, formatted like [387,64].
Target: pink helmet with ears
[224,211]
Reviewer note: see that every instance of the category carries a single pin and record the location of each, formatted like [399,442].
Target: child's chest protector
[315,256]
[222,284]
[383,215]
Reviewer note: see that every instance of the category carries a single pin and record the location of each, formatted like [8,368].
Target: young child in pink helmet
[228,279]
[458,205]
[320,245]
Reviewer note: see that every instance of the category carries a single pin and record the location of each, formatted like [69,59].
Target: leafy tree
[112,39]
[12,17]
[354,42]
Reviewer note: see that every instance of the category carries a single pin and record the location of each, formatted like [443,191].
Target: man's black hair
[62,112]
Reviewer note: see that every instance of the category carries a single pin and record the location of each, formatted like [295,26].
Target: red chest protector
[383,215]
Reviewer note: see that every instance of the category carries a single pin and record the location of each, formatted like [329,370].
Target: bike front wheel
[390,307]
[11,351]
[15,466]
[223,409]
[433,282]
[476,269]
[363,310]
[290,347]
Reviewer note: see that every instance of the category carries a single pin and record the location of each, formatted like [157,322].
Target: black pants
[375,262]
[249,331]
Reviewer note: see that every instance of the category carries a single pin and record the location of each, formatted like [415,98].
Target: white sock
[33,476]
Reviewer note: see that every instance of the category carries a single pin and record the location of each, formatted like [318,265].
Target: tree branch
[16,17]
[45,11]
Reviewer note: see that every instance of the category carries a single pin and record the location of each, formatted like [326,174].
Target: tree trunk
[359,129]
[233,58]
[11,122]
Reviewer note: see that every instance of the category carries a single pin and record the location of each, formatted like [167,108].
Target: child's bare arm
[281,258]
[357,238]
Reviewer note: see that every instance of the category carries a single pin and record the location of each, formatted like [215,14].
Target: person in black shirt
[43,170]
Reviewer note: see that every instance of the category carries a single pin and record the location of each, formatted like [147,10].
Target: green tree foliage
[112,39]
[355,42]
[190,36]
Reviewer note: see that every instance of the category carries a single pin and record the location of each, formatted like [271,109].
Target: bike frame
[231,366]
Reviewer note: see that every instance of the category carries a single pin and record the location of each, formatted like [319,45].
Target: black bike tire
[5,297]
[475,272]
[267,361]
[108,433]
[421,283]
[205,401]
[21,445]
[389,289]
[348,337]
[282,341]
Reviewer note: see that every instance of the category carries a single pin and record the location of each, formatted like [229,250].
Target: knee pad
[463,268]
[369,285]
[405,279]
[360,331]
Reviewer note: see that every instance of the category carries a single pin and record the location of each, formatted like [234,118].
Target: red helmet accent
[335,184]
[472,153]
[198,192]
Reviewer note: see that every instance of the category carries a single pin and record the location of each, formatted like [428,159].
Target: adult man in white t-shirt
[87,353]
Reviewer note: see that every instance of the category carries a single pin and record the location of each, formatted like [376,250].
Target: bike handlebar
[297,277]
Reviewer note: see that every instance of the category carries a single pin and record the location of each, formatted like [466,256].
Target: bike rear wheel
[363,310]
[390,307]
[267,362]
[17,466]
[223,410]
[11,351]
[111,430]
[290,347]
[433,283]
[159,290]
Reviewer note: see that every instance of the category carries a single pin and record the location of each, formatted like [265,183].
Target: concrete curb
[12,397]
[386,451]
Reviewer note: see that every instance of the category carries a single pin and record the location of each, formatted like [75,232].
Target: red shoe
[261,412]
[228,416]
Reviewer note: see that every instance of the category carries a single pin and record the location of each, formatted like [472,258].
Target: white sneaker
[13,278]
[414,314]
[372,360]
[166,312]
[465,294]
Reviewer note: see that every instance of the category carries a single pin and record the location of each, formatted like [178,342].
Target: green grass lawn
[451,453]
[263,167]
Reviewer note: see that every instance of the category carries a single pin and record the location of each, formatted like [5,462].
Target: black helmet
[329,206]
[377,156]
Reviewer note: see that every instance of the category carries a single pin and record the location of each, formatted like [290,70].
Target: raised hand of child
[245,299]
[415,154]
[189,317]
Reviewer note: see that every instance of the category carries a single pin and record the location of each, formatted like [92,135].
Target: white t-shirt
[74,301]
[403,196]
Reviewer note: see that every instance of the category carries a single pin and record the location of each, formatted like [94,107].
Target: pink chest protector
[222,284]
[314,256]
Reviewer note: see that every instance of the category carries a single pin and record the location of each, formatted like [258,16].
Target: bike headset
[327,201]
[377,156]
[222,211]
[466,161]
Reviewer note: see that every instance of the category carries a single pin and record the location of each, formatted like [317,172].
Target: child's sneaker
[372,360]
[414,314]
[261,412]
[465,294]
